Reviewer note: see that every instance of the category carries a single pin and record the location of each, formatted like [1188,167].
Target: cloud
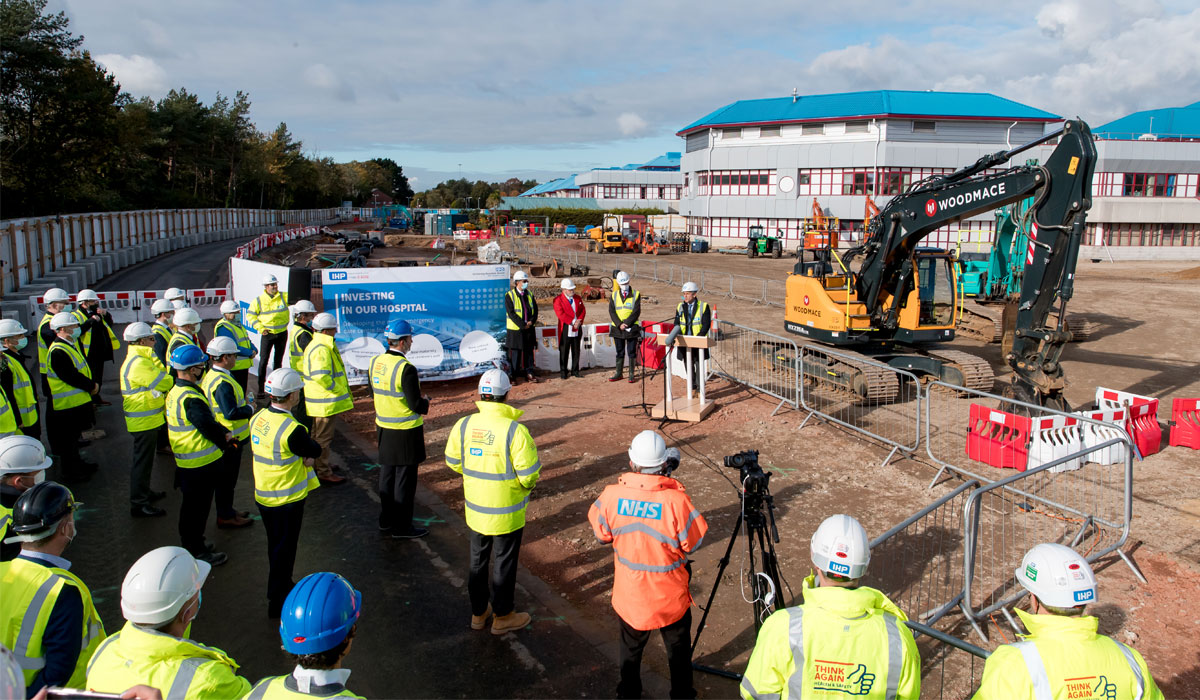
[322,77]
[138,75]
[631,124]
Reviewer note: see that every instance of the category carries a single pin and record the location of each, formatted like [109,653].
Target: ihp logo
[254,439]
[839,568]
[1085,596]
[476,452]
[337,276]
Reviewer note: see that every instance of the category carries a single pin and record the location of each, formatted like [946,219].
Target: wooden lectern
[692,408]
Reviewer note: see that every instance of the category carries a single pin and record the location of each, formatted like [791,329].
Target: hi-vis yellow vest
[500,466]
[692,328]
[162,331]
[43,349]
[8,417]
[624,305]
[23,391]
[280,476]
[144,386]
[241,338]
[515,296]
[85,340]
[180,668]
[191,448]
[268,314]
[179,339]
[285,688]
[295,353]
[326,389]
[214,377]
[391,410]
[65,395]
[30,591]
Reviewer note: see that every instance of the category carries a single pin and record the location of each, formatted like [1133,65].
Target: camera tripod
[766,585]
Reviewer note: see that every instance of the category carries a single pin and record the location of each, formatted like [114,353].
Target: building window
[697,141]
[924,126]
[812,129]
[858,127]
[1148,185]
[858,183]
[737,183]
[768,131]
[731,133]
[893,183]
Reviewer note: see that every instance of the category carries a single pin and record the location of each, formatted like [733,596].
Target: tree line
[462,193]
[72,141]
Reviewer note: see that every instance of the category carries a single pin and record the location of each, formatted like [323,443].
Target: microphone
[675,333]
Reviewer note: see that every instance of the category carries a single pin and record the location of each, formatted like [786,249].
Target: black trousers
[627,346]
[282,524]
[521,361]
[145,442]
[397,490]
[96,367]
[677,637]
[276,342]
[231,467]
[504,575]
[63,435]
[198,485]
[568,346]
[241,376]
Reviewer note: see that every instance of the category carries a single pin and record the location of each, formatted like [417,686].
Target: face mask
[524,286]
[21,343]
[75,333]
[39,478]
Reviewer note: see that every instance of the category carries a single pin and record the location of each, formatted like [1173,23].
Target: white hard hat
[269,279]
[1058,576]
[324,322]
[186,317]
[55,294]
[21,454]
[520,275]
[648,449]
[86,295]
[12,678]
[494,382]
[840,546]
[159,583]
[162,306]
[178,304]
[62,319]
[304,306]
[174,293]
[567,283]
[622,278]
[221,345]
[136,331]
[283,381]
[230,307]
[10,327]
[690,287]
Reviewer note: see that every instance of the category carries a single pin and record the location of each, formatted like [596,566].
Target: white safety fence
[131,306]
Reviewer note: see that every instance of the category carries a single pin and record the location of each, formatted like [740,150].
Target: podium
[694,406]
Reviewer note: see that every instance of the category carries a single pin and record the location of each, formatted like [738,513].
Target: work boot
[617,374]
[510,622]
[478,622]
[632,372]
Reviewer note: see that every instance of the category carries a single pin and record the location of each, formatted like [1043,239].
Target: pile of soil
[1192,273]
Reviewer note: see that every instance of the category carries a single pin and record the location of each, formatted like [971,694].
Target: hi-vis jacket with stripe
[652,526]
[268,314]
[26,408]
[326,389]
[840,642]
[500,466]
[1064,657]
[144,386]
[180,668]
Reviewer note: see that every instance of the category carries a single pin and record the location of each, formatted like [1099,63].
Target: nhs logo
[1085,596]
[639,509]
[337,276]
[476,452]
[839,568]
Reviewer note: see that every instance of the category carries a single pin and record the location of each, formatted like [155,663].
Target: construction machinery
[642,238]
[763,245]
[900,299]
[606,238]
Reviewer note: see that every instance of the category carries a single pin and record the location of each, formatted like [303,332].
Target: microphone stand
[640,355]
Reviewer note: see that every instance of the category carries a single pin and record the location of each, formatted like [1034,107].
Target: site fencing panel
[757,359]
[950,667]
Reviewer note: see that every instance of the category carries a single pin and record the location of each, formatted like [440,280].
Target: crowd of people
[190,398]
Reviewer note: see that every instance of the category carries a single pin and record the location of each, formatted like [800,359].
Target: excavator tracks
[977,373]
[851,374]
[983,322]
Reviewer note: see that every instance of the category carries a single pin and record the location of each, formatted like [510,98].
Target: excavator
[901,300]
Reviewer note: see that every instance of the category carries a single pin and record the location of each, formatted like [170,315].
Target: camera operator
[845,638]
[652,526]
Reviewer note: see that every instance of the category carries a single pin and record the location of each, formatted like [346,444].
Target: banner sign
[245,279]
[457,315]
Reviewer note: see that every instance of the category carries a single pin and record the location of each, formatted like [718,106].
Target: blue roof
[668,161]
[1169,122]
[871,103]
[522,202]
[562,183]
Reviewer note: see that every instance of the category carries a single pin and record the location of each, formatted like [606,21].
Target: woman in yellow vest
[198,441]
[326,391]
[229,405]
[15,378]
[160,599]
[230,327]
[69,409]
[283,476]
[144,387]
[47,616]
[96,324]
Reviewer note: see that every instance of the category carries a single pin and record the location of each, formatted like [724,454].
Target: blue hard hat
[186,356]
[398,328]
[318,613]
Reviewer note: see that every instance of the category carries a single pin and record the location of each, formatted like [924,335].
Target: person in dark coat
[695,318]
[96,337]
[64,426]
[521,310]
[569,309]
[625,313]
[400,432]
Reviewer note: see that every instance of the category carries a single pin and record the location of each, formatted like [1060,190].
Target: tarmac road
[413,639]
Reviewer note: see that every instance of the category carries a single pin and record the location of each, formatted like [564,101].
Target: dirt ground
[1146,344]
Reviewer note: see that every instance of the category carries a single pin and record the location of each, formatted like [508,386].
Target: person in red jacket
[568,306]
[652,526]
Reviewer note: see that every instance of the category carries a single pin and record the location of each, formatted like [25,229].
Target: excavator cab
[937,285]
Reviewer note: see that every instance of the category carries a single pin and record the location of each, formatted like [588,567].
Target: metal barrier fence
[761,360]
[950,667]
[868,397]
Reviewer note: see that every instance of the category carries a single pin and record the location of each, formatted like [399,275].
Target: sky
[492,89]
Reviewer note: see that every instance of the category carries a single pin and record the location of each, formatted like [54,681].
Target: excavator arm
[1061,189]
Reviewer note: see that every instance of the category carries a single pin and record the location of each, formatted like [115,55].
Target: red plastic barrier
[654,355]
[1185,423]
[998,438]
[1142,423]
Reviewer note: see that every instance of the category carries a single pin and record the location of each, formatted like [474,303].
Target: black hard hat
[41,508]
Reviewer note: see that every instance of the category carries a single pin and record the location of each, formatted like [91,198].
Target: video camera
[755,482]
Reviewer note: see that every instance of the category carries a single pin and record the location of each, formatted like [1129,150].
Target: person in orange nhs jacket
[653,526]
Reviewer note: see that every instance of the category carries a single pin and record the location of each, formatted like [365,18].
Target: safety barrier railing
[757,359]
[868,397]
[950,667]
